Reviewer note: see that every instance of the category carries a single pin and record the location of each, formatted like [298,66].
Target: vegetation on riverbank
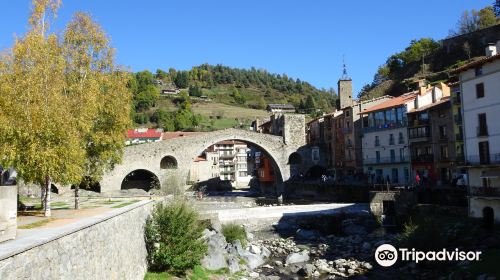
[173,238]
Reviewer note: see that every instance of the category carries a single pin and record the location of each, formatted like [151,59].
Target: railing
[418,123]
[384,127]
[423,158]
[347,130]
[480,160]
[482,130]
[385,160]
[228,171]
[227,155]
[484,191]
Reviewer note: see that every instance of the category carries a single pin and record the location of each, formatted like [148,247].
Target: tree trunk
[42,196]
[77,196]
[47,197]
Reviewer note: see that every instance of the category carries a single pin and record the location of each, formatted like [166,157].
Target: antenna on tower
[344,72]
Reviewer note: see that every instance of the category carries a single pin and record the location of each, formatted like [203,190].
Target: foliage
[474,20]
[424,236]
[496,7]
[195,91]
[234,232]
[172,237]
[238,97]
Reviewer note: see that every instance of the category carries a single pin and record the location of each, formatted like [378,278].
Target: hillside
[433,60]
[215,97]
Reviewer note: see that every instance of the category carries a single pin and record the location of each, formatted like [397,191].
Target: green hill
[215,97]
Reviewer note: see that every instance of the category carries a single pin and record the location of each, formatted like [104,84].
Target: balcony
[347,130]
[384,127]
[384,160]
[423,158]
[482,130]
[416,123]
[483,160]
[458,119]
[484,192]
[231,155]
[227,171]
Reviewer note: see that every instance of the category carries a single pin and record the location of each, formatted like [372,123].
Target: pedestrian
[417,179]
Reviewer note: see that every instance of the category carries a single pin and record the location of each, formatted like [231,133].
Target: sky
[306,39]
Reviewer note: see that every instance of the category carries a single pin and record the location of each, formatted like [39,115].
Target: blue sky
[304,39]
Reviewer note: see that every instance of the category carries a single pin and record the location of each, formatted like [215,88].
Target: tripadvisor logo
[387,255]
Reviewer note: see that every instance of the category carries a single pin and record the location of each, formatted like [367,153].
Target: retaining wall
[107,246]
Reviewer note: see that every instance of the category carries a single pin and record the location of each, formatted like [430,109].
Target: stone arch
[268,152]
[140,179]
[294,159]
[488,217]
[168,162]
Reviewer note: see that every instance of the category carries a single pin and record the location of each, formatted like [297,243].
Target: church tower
[344,90]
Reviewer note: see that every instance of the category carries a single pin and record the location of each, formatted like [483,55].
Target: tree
[310,103]
[101,90]
[261,103]
[496,7]
[64,105]
[487,17]
[181,79]
[467,49]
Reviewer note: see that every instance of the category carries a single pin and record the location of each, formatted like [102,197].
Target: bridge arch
[185,149]
[140,179]
[168,162]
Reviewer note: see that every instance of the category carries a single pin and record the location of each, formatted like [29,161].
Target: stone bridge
[181,152]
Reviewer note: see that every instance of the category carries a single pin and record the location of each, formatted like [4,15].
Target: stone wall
[109,246]
[8,212]
[403,201]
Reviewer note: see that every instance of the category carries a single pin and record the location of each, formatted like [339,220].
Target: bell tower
[344,90]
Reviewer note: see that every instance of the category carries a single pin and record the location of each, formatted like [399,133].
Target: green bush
[424,236]
[173,238]
[234,232]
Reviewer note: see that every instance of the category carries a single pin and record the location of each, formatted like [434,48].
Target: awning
[490,174]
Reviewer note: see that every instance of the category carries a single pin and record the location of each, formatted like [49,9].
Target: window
[347,113]
[391,139]
[478,71]
[395,176]
[393,156]
[482,129]
[377,156]
[484,152]
[443,132]
[401,138]
[402,155]
[377,141]
[444,152]
[243,173]
[480,90]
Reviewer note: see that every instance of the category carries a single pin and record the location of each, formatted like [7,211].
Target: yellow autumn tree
[64,105]
[100,89]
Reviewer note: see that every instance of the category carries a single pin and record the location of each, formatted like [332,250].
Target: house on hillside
[280,108]
[143,135]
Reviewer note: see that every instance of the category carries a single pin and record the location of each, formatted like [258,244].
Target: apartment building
[233,161]
[479,86]
[431,136]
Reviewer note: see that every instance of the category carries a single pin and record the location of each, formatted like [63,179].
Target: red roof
[477,63]
[149,133]
[397,101]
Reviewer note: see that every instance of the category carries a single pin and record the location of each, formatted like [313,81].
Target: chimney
[491,49]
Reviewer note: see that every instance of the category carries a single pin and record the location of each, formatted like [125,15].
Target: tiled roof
[397,101]
[281,106]
[149,133]
[476,63]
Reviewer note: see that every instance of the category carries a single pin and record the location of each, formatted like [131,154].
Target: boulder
[352,229]
[214,260]
[298,257]
[233,264]
[307,234]
[255,249]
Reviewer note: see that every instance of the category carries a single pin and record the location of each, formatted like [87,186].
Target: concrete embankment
[260,217]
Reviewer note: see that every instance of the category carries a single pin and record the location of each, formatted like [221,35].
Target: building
[233,162]
[205,166]
[143,135]
[280,108]
[170,91]
[479,86]
[386,145]
[456,107]
[431,136]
